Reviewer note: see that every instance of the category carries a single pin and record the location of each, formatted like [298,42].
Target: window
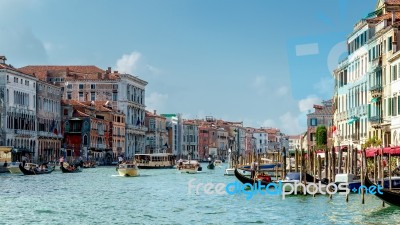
[92,86]
[27,82]
[390,44]
[69,95]
[69,86]
[15,79]
[8,78]
[34,85]
[92,96]
[115,86]
[313,122]
[115,96]
[80,86]
[80,96]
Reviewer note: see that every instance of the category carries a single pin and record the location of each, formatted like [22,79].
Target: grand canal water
[99,196]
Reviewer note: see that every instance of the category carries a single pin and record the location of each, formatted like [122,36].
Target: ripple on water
[97,196]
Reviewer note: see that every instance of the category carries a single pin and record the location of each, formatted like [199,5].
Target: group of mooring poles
[314,164]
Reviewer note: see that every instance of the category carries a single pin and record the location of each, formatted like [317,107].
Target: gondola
[211,166]
[248,180]
[391,197]
[65,170]
[34,172]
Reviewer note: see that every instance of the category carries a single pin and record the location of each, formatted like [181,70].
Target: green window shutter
[369,110]
[398,105]
[390,106]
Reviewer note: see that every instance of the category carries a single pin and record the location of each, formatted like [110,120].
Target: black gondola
[65,170]
[211,165]
[391,197]
[248,180]
[34,171]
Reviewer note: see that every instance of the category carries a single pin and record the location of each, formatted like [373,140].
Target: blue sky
[261,62]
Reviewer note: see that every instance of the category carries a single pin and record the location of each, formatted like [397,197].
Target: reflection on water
[101,196]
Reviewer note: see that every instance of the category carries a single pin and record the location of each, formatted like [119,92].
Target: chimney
[115,71]
[155,112]
[108,70]
[3,59]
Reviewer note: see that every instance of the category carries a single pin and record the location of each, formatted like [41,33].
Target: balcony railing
[375,119]
[101,146]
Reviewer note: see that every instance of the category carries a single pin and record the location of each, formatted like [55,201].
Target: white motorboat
[218,163]
[188,166]
[128,170]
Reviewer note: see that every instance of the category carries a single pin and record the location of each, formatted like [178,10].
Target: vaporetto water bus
[155,161]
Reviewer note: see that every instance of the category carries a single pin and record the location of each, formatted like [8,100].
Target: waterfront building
[394,62]
[322,115]
[116,124]
[260,141]
[18,114]
[156,135]
[365,104]
[86,129]
[222,142]
[90,83]
[48,112]
[294,143]
[174,131]
[190,140]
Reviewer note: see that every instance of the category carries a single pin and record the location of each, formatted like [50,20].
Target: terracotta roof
[385,16]
[9,67]
[392,2]
[80,114]
[41,71]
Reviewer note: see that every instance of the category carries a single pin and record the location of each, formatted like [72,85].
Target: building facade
[18,115]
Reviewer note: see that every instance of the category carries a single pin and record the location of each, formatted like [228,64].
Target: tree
[372,142]
[321,137]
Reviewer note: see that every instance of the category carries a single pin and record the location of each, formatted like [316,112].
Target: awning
[5,149]
[375,99]
[351,121]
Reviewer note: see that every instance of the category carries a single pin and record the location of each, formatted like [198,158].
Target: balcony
[375,119]
[376,90]
[139,128]
[26,133]
[101,146]
[48,134]
[377,62]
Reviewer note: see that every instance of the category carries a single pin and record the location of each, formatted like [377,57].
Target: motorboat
[217,163]
[188,166]
[296,179]
[128,170]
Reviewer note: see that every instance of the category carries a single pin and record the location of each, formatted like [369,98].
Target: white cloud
[269,123]
[259,83]
[325,85]
[308,103]
[153,70]
[156,101]
[282,91]
[291,124]
[128,63]
[307,49]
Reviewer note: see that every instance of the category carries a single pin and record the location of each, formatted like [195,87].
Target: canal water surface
[99,196]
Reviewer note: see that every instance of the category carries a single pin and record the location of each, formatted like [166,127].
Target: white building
[18,116]
[190,140]
[260,138]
